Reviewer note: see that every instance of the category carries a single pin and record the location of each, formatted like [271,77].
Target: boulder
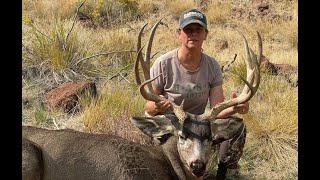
[66,95]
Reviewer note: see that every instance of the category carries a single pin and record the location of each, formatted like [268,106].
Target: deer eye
[182,135]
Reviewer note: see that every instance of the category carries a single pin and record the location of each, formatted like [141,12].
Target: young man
[192,75]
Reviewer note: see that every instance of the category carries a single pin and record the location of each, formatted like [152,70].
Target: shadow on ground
[212,176]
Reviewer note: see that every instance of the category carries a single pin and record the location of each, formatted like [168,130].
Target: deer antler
[145,64]
[139,57]
[252,82]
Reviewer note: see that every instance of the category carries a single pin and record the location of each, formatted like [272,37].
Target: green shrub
[41,116]
[108,13]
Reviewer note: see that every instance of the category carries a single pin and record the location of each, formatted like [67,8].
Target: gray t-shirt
[177,83]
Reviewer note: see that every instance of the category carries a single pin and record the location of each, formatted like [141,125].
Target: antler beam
[252,81]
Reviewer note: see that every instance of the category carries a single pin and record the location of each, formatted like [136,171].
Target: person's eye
[187,30]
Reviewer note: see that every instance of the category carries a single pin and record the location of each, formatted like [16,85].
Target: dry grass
[46,9]
[272,139]
[112,110]
[174,7]
[218,12]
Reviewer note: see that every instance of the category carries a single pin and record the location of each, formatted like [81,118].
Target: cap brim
[193,21]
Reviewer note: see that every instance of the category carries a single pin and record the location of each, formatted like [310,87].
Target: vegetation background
[60,47]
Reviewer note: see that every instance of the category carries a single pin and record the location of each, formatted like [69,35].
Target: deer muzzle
[198,168]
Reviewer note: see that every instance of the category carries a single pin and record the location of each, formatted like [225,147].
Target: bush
[110,13]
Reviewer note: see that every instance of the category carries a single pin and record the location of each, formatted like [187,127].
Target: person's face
[193,35]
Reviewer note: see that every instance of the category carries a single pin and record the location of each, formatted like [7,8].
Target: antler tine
[146,64]
[251,63]
[150,95]
[139,56]
[139,38]
[260,49]
[252,81]
[178,111]
[136,66]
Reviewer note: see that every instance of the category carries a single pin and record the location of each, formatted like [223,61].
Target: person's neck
[189,59]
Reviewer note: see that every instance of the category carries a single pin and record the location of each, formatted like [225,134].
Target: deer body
[187,139]
[68,154]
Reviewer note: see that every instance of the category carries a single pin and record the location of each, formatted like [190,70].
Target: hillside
[64,41]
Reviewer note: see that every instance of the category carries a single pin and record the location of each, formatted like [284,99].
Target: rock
[65,96]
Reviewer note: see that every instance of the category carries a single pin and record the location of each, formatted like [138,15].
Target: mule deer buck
[187,140]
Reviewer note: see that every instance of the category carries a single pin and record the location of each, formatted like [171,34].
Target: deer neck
[171,152]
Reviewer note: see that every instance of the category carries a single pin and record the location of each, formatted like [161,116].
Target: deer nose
[198,168]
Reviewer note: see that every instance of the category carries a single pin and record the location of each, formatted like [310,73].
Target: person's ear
[178,31]
[205,37]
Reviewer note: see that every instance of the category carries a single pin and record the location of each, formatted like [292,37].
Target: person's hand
[162,106]
[240,108]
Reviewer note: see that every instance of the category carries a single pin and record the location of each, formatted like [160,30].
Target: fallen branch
[99,54]
[226,67]
[118,73]
[54,122]
[74,21]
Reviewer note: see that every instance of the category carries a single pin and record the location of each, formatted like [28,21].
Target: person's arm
[216,96]
[153,108]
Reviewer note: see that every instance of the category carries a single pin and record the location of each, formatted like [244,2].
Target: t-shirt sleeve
[155,70]
[217,78]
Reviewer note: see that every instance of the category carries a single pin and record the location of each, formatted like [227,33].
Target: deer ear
[156,127]
[225,129]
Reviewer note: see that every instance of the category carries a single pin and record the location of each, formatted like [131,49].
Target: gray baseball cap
[192,16]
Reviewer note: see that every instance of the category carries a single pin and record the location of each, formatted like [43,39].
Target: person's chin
[193,43]
[193,46]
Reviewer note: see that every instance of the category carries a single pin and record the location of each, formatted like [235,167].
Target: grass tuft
[48,60]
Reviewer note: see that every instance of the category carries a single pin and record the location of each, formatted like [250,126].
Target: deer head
[196,133]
